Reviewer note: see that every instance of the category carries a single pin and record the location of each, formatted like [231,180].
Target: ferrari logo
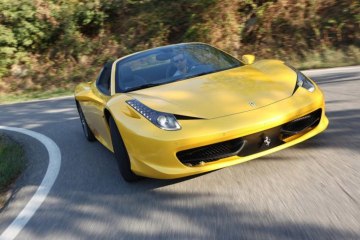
[267,141]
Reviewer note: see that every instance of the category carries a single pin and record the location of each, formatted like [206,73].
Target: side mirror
[248,59]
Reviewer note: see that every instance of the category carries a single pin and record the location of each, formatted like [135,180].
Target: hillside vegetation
[53,44]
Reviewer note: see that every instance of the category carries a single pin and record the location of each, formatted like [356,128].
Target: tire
[121,154]
[87,131]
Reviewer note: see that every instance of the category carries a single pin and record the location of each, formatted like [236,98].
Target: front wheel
[121,154]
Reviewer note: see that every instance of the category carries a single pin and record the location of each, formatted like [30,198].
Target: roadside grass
[327,58]
[12,163]
[34,95]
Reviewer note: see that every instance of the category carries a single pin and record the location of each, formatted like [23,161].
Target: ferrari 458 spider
[190,108]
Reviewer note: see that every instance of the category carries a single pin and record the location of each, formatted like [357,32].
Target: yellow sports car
[190,108]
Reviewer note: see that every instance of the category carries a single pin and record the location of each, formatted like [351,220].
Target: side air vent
[301,124]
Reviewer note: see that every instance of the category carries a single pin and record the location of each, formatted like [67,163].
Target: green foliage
[8,48]
[46,44]
[28,26]
[89,18]
[23,30]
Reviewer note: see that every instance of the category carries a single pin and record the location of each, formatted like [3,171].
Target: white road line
[51,174]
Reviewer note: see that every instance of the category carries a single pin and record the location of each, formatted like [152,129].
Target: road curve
[310,191]
[41,193]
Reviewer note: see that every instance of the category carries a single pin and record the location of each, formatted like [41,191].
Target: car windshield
[168,64]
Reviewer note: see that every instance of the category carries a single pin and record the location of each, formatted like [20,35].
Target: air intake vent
[301,124]
[211,152]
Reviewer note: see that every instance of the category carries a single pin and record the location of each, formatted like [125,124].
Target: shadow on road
[161,214]
[33,115]
[327,78]
[343,132]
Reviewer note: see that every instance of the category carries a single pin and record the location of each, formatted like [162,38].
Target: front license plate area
[261,141]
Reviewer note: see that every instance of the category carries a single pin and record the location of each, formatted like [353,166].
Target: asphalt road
[309,191]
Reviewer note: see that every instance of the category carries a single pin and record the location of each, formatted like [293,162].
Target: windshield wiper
[203,73]
[144,86]
[197,75]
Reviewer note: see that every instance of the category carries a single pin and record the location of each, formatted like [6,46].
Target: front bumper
[153,152]
[250,144]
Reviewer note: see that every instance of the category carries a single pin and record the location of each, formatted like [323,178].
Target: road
[309,191]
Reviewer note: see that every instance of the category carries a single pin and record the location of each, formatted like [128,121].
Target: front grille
[211,152]
[301,124]
[250,144]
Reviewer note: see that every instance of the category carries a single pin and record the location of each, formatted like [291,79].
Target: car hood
[220,94]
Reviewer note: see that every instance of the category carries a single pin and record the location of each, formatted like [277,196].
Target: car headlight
[302,80]
[165,121]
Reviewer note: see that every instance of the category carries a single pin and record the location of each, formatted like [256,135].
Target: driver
[181,64]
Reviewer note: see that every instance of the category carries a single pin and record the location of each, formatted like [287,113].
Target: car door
[95,107]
